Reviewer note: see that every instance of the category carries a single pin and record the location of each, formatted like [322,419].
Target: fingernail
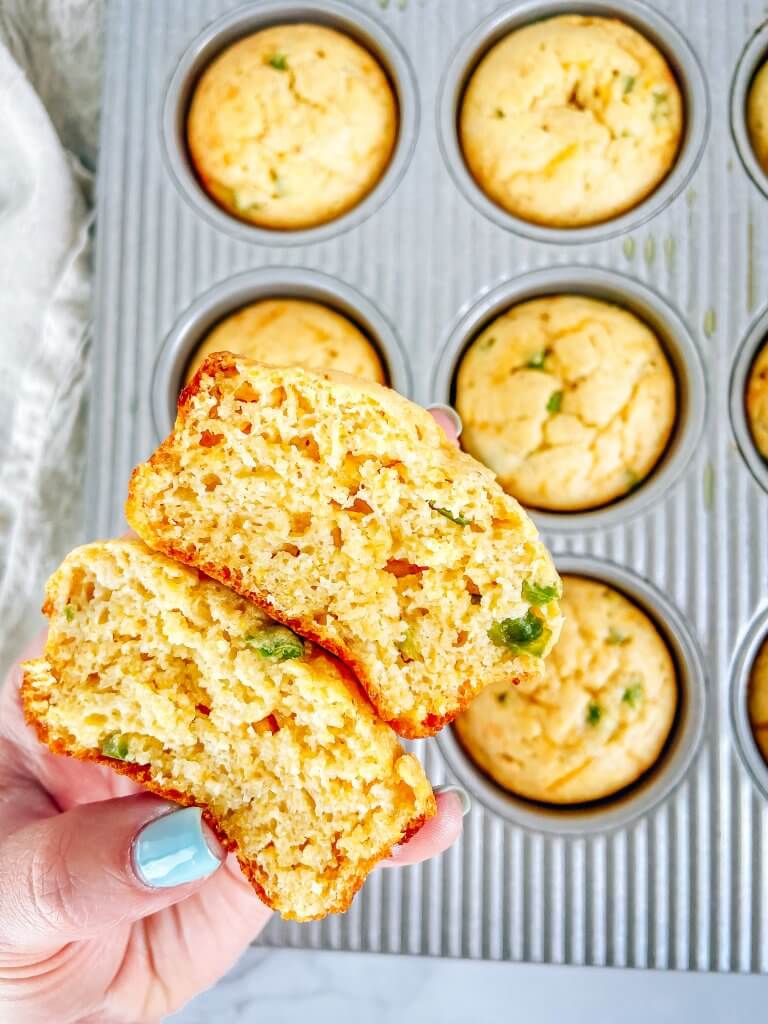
[172,850]
[462,794]
[452,415]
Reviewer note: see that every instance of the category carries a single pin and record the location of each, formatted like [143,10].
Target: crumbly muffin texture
[757,116]
[569,400]
[293,332]
[757,401]
[292,126]
[571,120]
[594,720]
[757,700]
[171,678]
[341,509]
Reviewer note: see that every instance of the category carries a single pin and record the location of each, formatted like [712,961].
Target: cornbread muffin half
[285,332]
[757,700]
[292,126]
[757,401]
[757,116]
[594,720]
[571,120]
[340,508]
[173,679]
[571,401]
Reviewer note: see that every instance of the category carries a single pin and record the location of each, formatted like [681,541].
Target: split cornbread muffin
[191,690]
[594,720]
[341,509]
[571,120]
[292,126]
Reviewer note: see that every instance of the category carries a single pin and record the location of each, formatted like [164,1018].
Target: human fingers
[74,875]
[438,834]
[449,420]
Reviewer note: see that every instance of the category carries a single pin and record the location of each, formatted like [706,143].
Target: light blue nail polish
[462,794]
[172,850]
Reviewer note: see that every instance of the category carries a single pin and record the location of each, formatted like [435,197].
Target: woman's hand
[82,937]
[116,905]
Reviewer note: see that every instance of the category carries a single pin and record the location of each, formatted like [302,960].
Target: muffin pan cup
[675,337]
[756,337]
[624,808]
[673,871]
[242,22]
[755,54]
[230,295]
[744,739]
[655,27]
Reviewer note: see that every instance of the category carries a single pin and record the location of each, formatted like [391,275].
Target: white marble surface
[280,986]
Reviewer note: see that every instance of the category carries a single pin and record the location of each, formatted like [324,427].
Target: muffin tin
[673,872]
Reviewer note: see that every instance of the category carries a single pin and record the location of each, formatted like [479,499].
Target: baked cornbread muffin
[757,401]
[340,508]
[757,116]
[571,120]
[285,332]
[570,401]
[757,700]
[594,720]
[292,126]
[173,679]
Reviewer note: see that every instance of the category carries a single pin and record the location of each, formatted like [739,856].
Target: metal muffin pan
[648,306]
[655,27]
[230,295]
[754,56]
[625,807]
[673,872]
[251,18]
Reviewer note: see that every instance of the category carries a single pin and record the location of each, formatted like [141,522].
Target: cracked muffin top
[569,400]
[293,332]
[292,126]
[571,121]
[594,720]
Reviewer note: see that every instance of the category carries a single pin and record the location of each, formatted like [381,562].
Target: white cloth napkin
[49,100]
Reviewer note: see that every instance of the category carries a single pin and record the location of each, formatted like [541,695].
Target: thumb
[73,875]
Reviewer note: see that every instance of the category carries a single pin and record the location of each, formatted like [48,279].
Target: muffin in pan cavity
[291,126]
[756,400]
[757,700]
[571,121]
[292,331]
[595,720]
[757,116]
[570,400]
